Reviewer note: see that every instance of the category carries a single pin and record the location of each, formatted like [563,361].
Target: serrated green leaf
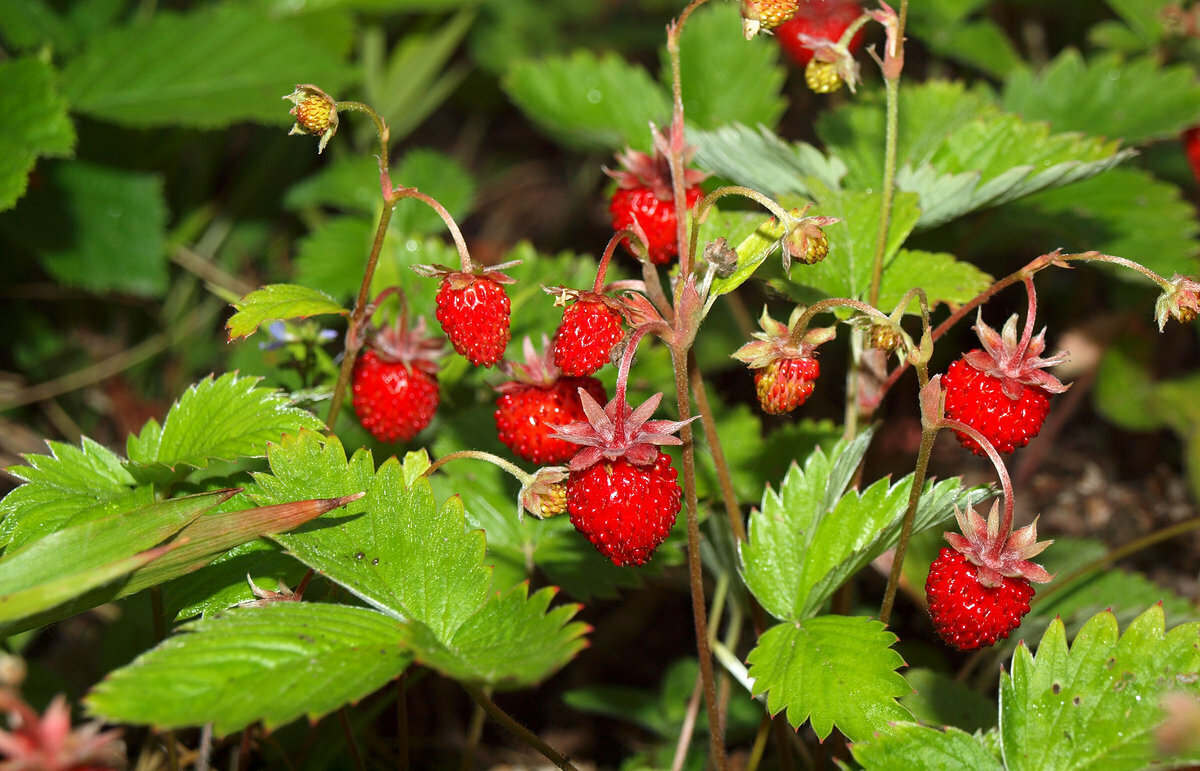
[1138,100]
[481,650]
[37,123]
[846,271]
[1097,704]
[118,223]
[1126,212]
[752,251]
[73,560]
[1144,18]
[589,101]
[395,548]
[944,279]
[724,79]
[273,664]
[209,68]
[279,301]
[760,160]
[70,485]
[811,536]
[29,24]
[906,746]
[938,699]
[981,44]
[224,419]
[831,671]
[223,582]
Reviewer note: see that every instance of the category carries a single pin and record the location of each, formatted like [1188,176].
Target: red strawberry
[535,403]
[979,588]
[625,510]
[586,337]
[474,311]
[645,195]
[1191,147]
[1002,390]
[966,614]
[622,493]
[785,372]
[785,384]
[395,384]
[819,19]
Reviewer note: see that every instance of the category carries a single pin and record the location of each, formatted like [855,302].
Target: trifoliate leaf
[831,671]
[279,301]
[226,418]
[906,746]
[116,222]
[725,80]
[1096,705]
[944,279]
[73,560]
[588,101]
[273,664]
[1138,100]
[71,485]
[36,123]
[802,545]
[760,160]
[481,650]
[208,69]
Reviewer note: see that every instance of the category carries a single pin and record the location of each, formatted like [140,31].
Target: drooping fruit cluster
[394,383]
[645,196]
[1002,390]
[818,20]
[535,402]
[622,494]
[979,587]
[785,372]
[585,338]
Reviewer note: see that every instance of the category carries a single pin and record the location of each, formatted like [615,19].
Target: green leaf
[589,101]
[939,699]
[758,159]
[832,671]
[1144,19]
[752,251]
[29,24]
[71,485]
[481,650]
[332,257]
[944,279]
[208,68]
[225,419]
[273,664]
[117,230]
[346,182]
[435,174]
[1127,212]
[907,746]
[726,80]
[1139,100]
[811,536]
[73,560]
[1097,704]
[36,123]
[395,549]
[846,271]
[278,301]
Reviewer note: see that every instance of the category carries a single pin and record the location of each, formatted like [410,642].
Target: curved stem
[1001,471]
[381,131]
[464,256]
[928,435]
[732,510]
[796,334]
[617,238]
[887,193]
[522,476]
[707,202]
[1097,257]
[518,730]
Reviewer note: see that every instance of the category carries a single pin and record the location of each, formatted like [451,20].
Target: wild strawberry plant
[367,523]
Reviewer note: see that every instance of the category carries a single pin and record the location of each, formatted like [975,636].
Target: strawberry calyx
[778,341]
[998,555]
[618,431]
[1014,362]
[538,370]
[653,171]
[399,343]
[1179,300]
[460,279]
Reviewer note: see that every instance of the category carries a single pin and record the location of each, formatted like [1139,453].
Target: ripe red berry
[655,215]
[474,312]
[626,510]
[785,384]
[824,19]
[1191,147]
[978,399]
[966,614]
[527,414]
[586,337]
[394,400]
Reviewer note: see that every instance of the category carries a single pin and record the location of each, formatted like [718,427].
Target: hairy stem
[928,435]
[724,478]
[516,729]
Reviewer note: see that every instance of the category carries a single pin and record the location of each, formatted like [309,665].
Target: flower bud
[1180,301]
[316,113]
[822,77]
